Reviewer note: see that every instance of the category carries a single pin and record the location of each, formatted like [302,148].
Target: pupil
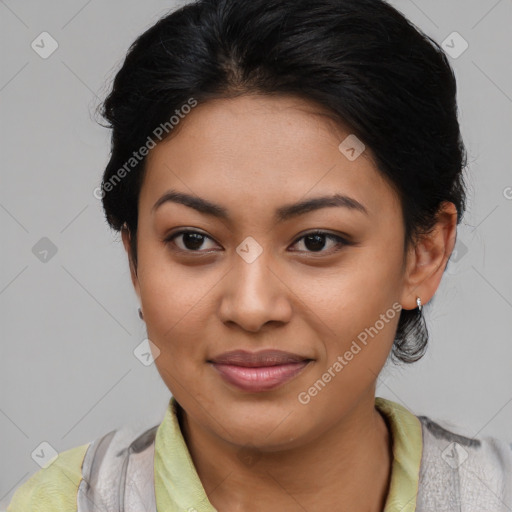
[192,240]
[318,243]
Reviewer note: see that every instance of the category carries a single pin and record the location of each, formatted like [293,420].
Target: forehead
[262,150]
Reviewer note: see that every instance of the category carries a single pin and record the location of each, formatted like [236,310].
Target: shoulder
[93,470]
[95,473]
[53,488]
[459,470]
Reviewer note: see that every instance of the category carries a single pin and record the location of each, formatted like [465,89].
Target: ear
[427,259]
[126,236]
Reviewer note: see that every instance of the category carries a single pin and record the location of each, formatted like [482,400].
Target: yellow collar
[178,487]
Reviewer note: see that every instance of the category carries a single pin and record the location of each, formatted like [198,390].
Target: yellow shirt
[177,484]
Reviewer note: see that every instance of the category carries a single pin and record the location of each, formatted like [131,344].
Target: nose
[255,294]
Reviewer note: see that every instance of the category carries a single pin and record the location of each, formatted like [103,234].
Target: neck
[350,463]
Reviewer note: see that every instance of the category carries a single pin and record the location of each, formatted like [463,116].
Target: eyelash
[340,241]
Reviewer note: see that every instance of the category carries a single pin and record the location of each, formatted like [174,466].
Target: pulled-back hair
[362,60]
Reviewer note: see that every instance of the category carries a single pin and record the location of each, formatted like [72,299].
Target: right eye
[191,241]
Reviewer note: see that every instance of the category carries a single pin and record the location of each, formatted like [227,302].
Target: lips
[259,371]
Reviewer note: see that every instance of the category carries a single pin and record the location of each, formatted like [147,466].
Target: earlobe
[428,258]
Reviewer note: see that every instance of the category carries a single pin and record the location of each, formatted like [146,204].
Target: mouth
[259,371]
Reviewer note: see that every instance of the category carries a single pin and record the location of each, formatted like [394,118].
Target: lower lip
[262,378]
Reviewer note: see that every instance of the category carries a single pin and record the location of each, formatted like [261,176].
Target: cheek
[167,293]
[175,325]
[173,305]
[361,304]
[357,335]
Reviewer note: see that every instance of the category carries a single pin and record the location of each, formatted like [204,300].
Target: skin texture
[251,155]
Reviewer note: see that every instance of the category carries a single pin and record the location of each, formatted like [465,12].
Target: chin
[267,433]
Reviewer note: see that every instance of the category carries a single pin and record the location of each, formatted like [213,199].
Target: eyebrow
[282,214]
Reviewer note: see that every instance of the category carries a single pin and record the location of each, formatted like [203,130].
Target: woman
[287,179]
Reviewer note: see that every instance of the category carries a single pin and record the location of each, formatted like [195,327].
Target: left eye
[315,241]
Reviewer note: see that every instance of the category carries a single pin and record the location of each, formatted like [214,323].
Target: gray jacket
[457,474]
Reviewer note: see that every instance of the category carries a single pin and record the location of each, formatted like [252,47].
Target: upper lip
[270,357]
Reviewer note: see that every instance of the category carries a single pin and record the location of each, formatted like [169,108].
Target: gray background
[69,325]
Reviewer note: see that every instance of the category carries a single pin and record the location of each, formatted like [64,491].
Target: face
[255,280]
